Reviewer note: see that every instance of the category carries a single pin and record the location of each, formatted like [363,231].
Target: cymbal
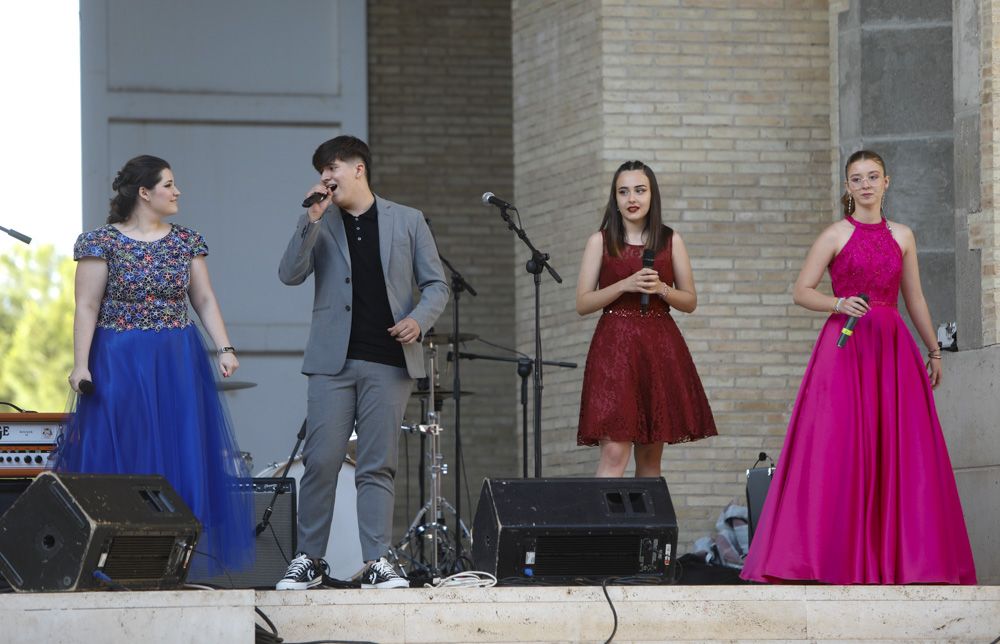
[439,393]
[233,385]
[447,338]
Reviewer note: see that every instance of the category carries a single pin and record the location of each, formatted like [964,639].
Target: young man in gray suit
[364,350]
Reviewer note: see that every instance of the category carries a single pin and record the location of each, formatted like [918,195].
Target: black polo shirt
[370,312]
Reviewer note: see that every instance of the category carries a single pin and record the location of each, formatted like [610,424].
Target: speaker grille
[139,557]
[587,555]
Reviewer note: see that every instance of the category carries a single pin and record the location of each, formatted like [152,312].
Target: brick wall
[440,133]
[729,103]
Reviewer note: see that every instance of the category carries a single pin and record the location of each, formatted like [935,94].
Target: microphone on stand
[848,329]
[490,199]
[647,262]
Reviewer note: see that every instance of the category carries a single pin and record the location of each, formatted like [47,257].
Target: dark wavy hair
[861,155]
[144,171]
[614,229]
[343,148]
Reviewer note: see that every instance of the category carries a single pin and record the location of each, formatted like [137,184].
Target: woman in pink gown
[864,491]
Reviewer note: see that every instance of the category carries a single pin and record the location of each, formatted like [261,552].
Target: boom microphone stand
[538,261]
[458,285]
[524,369]
[16,235]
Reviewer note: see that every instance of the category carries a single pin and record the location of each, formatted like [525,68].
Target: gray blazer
[408,254]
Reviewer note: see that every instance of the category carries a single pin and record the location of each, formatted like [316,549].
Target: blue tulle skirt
[155,409]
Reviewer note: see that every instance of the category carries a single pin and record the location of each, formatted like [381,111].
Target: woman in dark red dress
[640,387]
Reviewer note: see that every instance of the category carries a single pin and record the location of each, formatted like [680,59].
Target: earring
[850,204]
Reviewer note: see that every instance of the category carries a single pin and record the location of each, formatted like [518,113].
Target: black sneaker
[303,573]
[380,574]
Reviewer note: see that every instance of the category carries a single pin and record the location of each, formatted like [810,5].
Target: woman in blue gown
[154,407]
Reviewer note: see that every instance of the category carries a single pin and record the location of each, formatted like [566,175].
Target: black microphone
[313,199]
[86,387]
[21,237]
[490,199]
[647,262]
[848,329]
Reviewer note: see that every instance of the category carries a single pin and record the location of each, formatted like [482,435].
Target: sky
[40,193]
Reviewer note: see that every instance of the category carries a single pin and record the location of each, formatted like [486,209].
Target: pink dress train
[864,491]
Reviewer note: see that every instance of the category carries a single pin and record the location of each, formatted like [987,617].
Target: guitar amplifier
[27,442]
[274,547]
[758,482]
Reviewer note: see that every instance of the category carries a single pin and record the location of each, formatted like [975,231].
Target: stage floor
[513,614]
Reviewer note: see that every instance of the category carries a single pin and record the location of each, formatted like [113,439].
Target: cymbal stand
[444,556]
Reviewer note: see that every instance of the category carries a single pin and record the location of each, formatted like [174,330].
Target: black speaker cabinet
[66,530]
[273,545]
[10,489]
[570,529]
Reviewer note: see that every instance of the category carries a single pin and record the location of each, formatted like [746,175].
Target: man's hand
[406,331]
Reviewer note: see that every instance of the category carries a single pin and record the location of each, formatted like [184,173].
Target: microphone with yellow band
[848,329]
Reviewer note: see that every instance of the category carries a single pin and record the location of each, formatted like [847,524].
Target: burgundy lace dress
[640,384]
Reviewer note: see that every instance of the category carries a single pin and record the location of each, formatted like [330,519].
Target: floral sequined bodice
[871,262]
[147,281]
[614,269]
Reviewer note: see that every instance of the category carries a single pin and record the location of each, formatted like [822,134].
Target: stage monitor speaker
[66,530]
[574,528]
[275,546]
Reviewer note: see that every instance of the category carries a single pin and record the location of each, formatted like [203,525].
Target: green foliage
[36,328]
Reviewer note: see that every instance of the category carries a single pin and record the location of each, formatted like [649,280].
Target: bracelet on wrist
[836,306]
[231,350]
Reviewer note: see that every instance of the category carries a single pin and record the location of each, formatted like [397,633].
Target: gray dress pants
[369,398]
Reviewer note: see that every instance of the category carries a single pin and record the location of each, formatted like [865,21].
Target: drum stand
[410,551]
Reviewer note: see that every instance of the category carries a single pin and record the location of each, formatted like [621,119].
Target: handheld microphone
[313,199]
[86,387]
[647,262]
[490,199]
[848,329]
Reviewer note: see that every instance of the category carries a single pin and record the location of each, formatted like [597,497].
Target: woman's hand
[78,374]
[228,364]
[934,371]
[854,306]
[645,280]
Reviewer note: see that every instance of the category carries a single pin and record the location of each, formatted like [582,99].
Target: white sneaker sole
[297,585]
[394,583]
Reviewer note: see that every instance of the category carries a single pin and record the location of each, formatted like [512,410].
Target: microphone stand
[538,261]
[16,235]
[265,519]
[458,284]
[524,369]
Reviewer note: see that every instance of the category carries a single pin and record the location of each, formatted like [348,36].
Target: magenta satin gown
[864,491]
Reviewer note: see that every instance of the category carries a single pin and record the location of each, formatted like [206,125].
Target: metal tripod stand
[428,530]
